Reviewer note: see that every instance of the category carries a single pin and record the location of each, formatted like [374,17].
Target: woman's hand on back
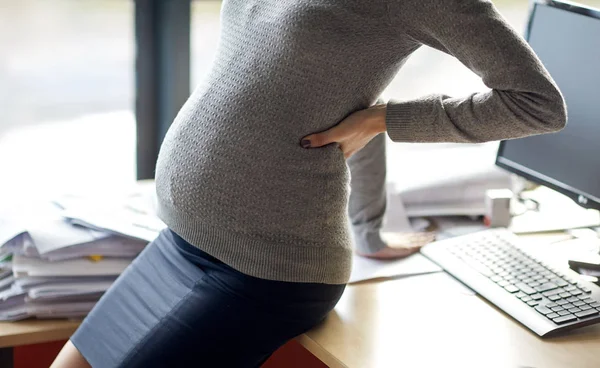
[352,133]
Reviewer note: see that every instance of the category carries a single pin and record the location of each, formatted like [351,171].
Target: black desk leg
[6,358]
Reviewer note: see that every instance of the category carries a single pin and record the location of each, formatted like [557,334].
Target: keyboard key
[524,288]
[568,306]
[511,288]
[579,304]
[560,282]
[478,266]
[534,284]
[583,297]
[552,315]
[496,278]
[576,292]
[538,297]
[563,312]
[586,290]
[533,303]
[586,313]
[562,302]
[503,283]
[555,298]
[552,292]
[543,310]
[527,299]
[546,286]
[572,299]
[564,295]
[570,288]
[594,305]
[551,305]
[574,310]
[564,319]
[520,295]
[557,308]
[585,307]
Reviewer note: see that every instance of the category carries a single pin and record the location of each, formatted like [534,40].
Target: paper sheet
[68,289]
[368,269]
[21,310]
[6,281]
[111,246]
[26,266]
[51,234]
[117,221]
[9,230]
[28,282]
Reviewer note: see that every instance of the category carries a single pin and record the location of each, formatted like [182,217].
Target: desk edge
[317,350]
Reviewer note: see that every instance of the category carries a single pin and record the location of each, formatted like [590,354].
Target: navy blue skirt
[177,306]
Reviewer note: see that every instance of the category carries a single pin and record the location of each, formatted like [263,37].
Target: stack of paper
[51,266]
[438,183]
[10,237]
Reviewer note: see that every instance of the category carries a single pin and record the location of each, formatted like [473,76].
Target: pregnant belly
[284,192]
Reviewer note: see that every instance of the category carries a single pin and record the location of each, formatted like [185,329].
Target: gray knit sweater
[232,178]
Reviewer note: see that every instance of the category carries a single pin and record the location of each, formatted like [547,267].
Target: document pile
[59,264]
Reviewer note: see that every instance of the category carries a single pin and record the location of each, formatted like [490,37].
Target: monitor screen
[567,40]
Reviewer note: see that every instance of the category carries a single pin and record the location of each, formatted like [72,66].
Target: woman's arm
[366,207]
[367,204]
[523,100]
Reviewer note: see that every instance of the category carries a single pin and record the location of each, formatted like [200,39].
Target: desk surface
[403,323]
[400,323]
[33,331]
[435,321]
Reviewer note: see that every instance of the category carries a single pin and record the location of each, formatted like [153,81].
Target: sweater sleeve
[523,100]
[367,204]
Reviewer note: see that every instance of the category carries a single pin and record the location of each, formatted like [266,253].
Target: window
[67,89]
[66,95]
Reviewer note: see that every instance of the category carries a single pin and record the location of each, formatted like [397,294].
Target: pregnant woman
[252,179]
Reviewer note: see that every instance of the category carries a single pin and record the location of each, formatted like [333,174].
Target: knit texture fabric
[232,178]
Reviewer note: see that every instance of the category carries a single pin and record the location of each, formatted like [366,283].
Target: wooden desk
[423,321]
[33,332]
[434,321]
[431,321]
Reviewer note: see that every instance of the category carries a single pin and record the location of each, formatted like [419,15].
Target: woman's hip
[176,303]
